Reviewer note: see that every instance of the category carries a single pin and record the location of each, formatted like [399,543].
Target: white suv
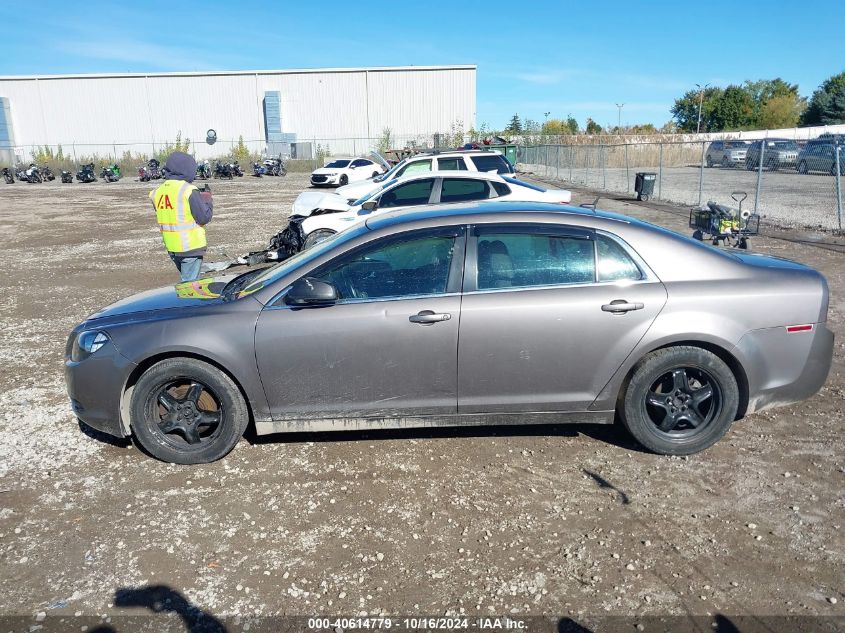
[434,160]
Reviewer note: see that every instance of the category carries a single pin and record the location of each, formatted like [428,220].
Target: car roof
[496,210]
[452,173]
[456,152]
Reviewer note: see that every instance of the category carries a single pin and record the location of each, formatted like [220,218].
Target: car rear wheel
[680,400]
[186,411]
[709,162]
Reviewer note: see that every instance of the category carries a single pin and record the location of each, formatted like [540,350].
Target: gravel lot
[570,521]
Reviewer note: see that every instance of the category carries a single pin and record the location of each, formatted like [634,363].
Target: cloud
[138,53]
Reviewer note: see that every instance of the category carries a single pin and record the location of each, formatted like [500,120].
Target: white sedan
[342,171]
[318,216]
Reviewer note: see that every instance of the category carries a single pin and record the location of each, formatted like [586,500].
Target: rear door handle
[427,317]
[620,306]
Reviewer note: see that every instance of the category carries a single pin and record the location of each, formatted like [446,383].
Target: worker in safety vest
[182,212]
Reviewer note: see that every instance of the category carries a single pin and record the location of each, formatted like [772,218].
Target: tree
[827,105]
[592,127]
[685,109]
[515,126]
[572,124]
[780,112]
[733,110]
[560,127]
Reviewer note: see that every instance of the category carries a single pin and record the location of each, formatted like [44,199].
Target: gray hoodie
[182,166]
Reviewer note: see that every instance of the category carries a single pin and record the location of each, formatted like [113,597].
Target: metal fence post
[838,187]
[660,171]
[627,170]
[759,174]
[570,163]
[701,174]
[557,163]
[587,165]
[604,167]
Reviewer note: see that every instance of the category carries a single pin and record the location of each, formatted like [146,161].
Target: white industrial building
[346,109]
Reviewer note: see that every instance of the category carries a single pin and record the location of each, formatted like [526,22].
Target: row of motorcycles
[36,174]
[151,170]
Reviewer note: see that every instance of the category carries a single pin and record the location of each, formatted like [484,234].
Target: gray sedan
[488,313]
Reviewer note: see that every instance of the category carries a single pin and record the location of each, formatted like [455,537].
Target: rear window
[493,162]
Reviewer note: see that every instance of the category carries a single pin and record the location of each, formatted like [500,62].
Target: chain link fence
[787,183]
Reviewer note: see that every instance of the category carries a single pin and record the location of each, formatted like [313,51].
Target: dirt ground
[570,521]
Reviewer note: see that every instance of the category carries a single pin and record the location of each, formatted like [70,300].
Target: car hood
[325,171]
[202,292]
[307,201]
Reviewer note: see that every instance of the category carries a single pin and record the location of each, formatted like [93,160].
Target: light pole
[700,103]
[619,117]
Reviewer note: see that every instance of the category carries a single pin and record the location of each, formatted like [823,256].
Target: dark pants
[189,267]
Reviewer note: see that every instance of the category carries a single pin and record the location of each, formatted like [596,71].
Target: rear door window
[493,162]
[464,190]
[451,164]
[525,259]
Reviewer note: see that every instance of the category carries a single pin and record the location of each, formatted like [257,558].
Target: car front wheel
[344,180]
[186,411]
[680,400]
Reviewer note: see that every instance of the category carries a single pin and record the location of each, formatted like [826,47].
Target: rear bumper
[783,368]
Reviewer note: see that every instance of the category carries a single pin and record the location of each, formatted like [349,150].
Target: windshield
[389,174]
[339,163]
[367,196]
[521,183]
[274,273]
[785,144]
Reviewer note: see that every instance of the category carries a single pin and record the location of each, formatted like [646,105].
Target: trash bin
[644,184]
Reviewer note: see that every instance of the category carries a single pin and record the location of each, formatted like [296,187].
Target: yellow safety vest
[179,230]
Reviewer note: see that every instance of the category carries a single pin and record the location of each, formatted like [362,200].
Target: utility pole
[619,107]
[700,103]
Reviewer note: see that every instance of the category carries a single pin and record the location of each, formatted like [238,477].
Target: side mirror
[368,207]
[310,291]
[352,167]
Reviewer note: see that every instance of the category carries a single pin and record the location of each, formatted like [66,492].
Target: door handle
[620,306]
[427,317]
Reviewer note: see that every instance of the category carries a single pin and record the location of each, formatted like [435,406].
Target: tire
[344,180]
[375,174]
[698,235]
[665,381]
[802,167]
[315,237]
[726,163]
[749,165]
[709,162]
[204,392]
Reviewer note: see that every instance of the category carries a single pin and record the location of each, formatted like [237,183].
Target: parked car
[434,160]
[826,139]
[317,218]
[726,153]
[779,153]
[821,158]
[563,315]
[342,171]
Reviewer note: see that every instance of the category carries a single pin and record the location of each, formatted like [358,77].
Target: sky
[579,58]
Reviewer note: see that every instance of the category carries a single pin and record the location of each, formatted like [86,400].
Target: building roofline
[197,73]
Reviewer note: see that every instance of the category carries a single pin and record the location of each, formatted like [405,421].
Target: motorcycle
[275,167]
[86,173]
[204,170]
[47,173]
[236,169]
[222,170]
[110,173]
[259,170]
[154,169]
[20,174]
[67,177]
[33,174]
[8,176]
